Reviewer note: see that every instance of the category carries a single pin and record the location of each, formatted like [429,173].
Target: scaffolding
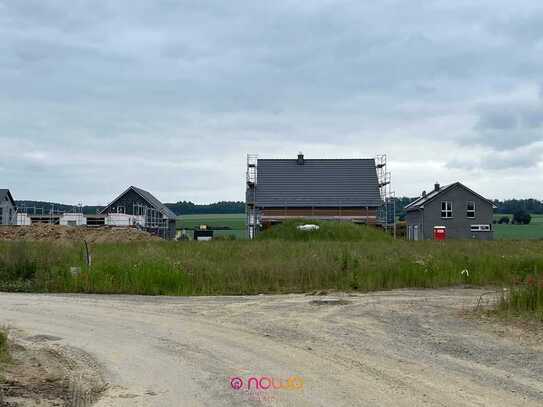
[251,210]
[150,219]
[387,209]
[27,215]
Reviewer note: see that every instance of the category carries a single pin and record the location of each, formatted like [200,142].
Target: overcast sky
[171,95]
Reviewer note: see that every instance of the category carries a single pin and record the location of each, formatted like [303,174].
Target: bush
[504,220]
[522,218]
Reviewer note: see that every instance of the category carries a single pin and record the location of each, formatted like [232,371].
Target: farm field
[234,221]
[519,232]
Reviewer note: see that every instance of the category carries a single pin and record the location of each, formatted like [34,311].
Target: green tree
[522,217]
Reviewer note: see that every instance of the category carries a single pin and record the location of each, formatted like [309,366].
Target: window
[481,228]
[446,209]
[121,209]
[1,215]
[470,209]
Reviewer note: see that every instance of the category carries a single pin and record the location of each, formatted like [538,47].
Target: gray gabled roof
[4,193]
[317,183]
[419,202]
[150,198]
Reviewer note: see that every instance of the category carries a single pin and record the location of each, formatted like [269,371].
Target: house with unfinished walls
[8,209]
[134,207]
[140,207]
[313,189]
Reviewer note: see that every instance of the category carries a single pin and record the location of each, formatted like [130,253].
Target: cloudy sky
[172,95]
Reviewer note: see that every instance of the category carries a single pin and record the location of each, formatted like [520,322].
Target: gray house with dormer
[8,212]
[450,212]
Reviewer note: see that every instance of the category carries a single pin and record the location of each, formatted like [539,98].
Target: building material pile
[46,232]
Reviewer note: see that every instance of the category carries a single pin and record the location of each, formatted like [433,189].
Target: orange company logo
[264,383]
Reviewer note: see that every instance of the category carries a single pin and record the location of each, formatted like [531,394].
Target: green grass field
[520,232]
[234,221]
[339,256]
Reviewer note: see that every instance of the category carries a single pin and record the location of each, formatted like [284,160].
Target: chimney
[300,160]
[437,186]
[424,194]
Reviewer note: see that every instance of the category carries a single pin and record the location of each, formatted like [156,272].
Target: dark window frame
[470,213]
[446,210]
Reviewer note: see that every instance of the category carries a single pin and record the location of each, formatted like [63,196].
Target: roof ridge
[318,159]
[424,199]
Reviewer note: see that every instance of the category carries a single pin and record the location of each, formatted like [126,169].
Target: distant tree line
[190,208]
[510,206]
[184,207]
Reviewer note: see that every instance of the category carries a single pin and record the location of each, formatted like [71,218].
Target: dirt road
[399,348]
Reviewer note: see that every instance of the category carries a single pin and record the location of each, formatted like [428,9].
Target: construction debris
[46,232]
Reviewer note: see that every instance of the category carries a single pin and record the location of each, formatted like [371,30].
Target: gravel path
[398,348]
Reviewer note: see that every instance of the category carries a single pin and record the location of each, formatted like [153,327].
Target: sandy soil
[399,348]
[40,373]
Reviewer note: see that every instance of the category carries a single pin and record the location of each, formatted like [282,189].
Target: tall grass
[523,300]
[35,266]
[4,355]
[264,266]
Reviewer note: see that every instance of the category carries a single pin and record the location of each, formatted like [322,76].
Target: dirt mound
[67,233]
[43,375]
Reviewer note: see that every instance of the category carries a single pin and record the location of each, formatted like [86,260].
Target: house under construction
[356,190]
[140,208]
[135,207]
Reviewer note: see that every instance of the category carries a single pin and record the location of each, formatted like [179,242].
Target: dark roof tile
[317,183]
[4,193]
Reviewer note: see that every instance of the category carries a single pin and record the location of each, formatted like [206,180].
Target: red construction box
[440,233]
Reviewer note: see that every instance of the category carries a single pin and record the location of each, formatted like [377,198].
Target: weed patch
[523,301]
